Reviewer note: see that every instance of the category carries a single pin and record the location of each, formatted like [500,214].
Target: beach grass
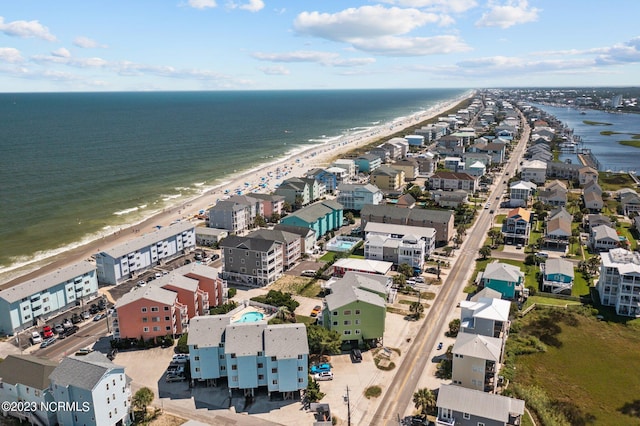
[633,143]
[586,369]
[596,123]
[614,181]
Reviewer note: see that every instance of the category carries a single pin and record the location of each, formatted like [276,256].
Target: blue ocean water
[607,149]
[75,165]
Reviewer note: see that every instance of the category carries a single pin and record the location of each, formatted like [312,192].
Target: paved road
[399,395]
[87,336]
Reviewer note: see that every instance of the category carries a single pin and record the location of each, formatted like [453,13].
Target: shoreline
[294,164]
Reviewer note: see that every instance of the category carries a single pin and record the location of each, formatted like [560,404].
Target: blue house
[249,354]
[504,278]
[558,275]
[368,162]
[329,179]
[322,217]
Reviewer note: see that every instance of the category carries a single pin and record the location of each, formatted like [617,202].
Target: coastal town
[406,276]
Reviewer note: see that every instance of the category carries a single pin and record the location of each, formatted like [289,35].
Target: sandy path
[294,166]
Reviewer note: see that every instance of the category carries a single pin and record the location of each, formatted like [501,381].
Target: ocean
[610,153]
[76,166]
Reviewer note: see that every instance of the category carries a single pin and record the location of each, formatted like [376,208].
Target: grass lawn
[613,181]
[328,256]
[356,256]
[499,218]
[542,300]
[624,230]
[580,285]
[530,279]
[589,367]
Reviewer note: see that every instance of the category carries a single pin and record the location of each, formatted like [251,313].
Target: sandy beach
[261,179]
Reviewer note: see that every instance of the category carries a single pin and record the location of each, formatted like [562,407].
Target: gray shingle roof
[478,403]
[316,211]
[603,231]
[371,282]
[27,370]
[286,341]
[478,346]
[207,331]
[502,272]
[398,213]
[342,295]
[274,235]
[350,187]
[559,266]
[254,244]
[83,372]
[389,228]
[198,269]
[244,339]
[150,292]
[27,288]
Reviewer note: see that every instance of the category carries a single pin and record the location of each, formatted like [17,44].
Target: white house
[534,171]
[356,196]
[619,282]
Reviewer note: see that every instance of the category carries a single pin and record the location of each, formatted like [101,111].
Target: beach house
[366,266]
[347,164]
[367,162]
[127,260]
[356,196]
[291,244]
[603,238]
[25,378]
[502,277]
[558,228]
[450,181]
[486,314]
[295,191]
[619,281]
[534,171]
[254,262]
[322,217]
[557,276]
[517,226]
[459,406]
[555,194]
[356,309]
[476,361]
[235,214]
[250,355]
[324,176]
[102,387]
[272,204]
[388,178]
[522,190]
[26,303]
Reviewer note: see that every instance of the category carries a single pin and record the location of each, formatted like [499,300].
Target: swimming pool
[251,317]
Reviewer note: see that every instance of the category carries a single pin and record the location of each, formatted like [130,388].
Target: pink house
[271,203]
[149,312]
[211,288]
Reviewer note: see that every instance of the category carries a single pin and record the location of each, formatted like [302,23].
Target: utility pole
[346,400]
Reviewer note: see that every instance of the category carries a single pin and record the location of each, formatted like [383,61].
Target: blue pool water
[251,317]
[347,245]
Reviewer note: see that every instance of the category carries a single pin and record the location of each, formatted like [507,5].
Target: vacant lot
[589,370]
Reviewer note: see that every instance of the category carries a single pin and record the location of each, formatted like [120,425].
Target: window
[347,322]
[274,371]
[260,376]
[273,358]
[300,368]
[357,331]
[234,378]
[357,311]
[466,416]
[197,369]
[145,319]
[145,329]
[196,358]
[155,319]
[335,323]
[357,322]
[154,309]
[275,381]
[144,310]
[347,332]
[334,313]
[156,328]
[107,386]
[223,368]
[233,356]
[300,379]
[221,356]
[167,318]
[300,357]
[480,424]
[347,312]
[166,308]
[167,328]
[260,365]
[108,400]
[114,382]
[234,367]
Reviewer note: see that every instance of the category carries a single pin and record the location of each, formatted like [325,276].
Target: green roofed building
[322,217]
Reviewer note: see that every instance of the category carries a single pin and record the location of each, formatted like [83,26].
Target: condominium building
[24,303]
[356,196]
[250,261]
[127,260]
[619,282]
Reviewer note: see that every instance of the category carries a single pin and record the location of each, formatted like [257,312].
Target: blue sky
[118,45]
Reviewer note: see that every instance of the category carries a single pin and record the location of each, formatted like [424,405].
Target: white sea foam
[125,211]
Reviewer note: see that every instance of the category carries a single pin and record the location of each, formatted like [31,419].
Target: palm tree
[417,309]
[283,313]
[142,399]
[424,400]
[572,240]
[494,233]
[485,251]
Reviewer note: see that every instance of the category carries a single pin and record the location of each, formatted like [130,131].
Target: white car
[35,338]
[323,375]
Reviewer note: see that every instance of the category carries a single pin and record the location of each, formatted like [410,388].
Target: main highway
[400,391]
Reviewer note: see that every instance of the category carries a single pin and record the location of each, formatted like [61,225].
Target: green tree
[142,399]
[349,217]
[399,280]
[405,269]
[322,340]
[287,207]
[259,221]
[424,400]
[182,346]
[275,217]
[572,240]
[494,233]
[416,309]
[485,252]
[297,204]
[284,313]
[454,327]
[313,393]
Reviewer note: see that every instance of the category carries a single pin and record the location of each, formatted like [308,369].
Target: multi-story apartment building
[296,190]
[428,235]
[291,244]
[440,220]
[534,171]
[387,178]
[619,282]
[409,166]
[209,282]
[255,262]
[322,217]
[349,165]
[250,355]
[368,162]
[24,303]
[149,312]
[99,385]
[235,214]
[272,204]
[450,181]
[356,196]
[128,259]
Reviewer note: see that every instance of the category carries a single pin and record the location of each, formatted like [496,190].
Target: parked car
[308,273]
[75,319]
[67,323]
[85,315]
[324,375]
[356,355]
[98,317]
[35,338]
[47,332]
[112,354]
[175,369]
[48,342]
[180,359]
[315,311]
[419,279]
[157,275]
[320,368]
[58,328]
[81,352]
[542,254]
[215,257]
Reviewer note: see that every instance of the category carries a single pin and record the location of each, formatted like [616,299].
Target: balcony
[442,421]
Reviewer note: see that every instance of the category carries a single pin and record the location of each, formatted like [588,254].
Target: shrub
[231,292]
[372,392]
[182,347]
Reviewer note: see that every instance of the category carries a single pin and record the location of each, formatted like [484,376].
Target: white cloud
[202,4]
[455,6]
[10,55]
[363,22]
[87,43]
[274,70]
[252,6]
[513,12]
[411,46]
[62,53]
[26,29]
[379,30]
[323,58]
